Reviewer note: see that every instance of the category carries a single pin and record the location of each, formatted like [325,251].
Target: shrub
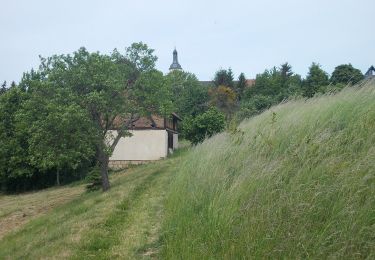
[204,125]
[94,179]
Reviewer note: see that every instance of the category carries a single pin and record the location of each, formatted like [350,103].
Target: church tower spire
[175,65]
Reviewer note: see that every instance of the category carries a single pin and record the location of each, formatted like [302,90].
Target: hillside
[297,181]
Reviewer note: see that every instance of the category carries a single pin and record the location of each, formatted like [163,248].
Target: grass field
[295,182]
[122,223]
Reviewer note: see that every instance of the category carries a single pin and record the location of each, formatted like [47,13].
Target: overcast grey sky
[249,36]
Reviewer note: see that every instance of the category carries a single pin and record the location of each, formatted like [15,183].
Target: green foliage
[204,125]
[224,78]
[141,56]
[110,87]
[42,134]
[316,79]
[346,74]
[60,116]
[13,143]
[94,179]
[189,97]
[3,88]
[152,94]
[255,105]
[241,85]
[224,98]
[297,182]
[56,130]
[270,88]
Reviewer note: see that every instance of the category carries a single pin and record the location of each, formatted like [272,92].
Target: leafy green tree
[13,143]
[315,79]
[224,78]
[56,129]
[141,56]
[204,125]
[346,74]
[271,87]
[189,97]
[278,83]
[241,85]
[114,90]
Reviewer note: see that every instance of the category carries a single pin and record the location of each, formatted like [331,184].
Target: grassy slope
[121,223]
[296,181]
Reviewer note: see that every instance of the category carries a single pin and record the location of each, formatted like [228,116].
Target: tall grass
[297,181]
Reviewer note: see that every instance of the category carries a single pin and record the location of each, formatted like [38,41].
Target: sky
[247,36]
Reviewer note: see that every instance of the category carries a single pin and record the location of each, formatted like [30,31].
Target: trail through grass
[17,210]
[123,223]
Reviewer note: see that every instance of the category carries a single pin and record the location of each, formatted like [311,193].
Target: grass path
[123,223]
[17,210]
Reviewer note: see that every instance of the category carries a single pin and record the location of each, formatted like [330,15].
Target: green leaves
[204,125]
[316,79]
[141,56]
[152,93]
[189,97]
[346,74]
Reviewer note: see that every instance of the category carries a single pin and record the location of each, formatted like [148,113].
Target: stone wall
[120,164]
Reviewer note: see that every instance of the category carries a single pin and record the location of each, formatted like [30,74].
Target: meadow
[297,181]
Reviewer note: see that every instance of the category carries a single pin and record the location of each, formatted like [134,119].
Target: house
[153,137]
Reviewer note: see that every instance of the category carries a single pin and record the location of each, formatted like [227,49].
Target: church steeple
[370,72]
[175,65]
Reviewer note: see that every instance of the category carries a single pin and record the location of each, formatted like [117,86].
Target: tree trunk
[103,163]
[58,177]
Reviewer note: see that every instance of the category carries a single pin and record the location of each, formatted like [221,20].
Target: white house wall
[143,145]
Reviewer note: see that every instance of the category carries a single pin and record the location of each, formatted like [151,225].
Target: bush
[94,179]
[204,125]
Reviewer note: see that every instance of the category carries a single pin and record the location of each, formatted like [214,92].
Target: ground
[69,222]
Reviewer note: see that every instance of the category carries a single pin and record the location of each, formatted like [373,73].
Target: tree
[57,130]
[278,83]
[114,90]
[13,143]
[224,98]
[315,79]
[141,56]
[204,125]
[241,85]
[224,78]
[189,97]
[346,74]
[271,87]
[3,88]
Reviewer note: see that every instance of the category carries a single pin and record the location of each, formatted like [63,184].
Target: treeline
[54,125]
[235,100]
